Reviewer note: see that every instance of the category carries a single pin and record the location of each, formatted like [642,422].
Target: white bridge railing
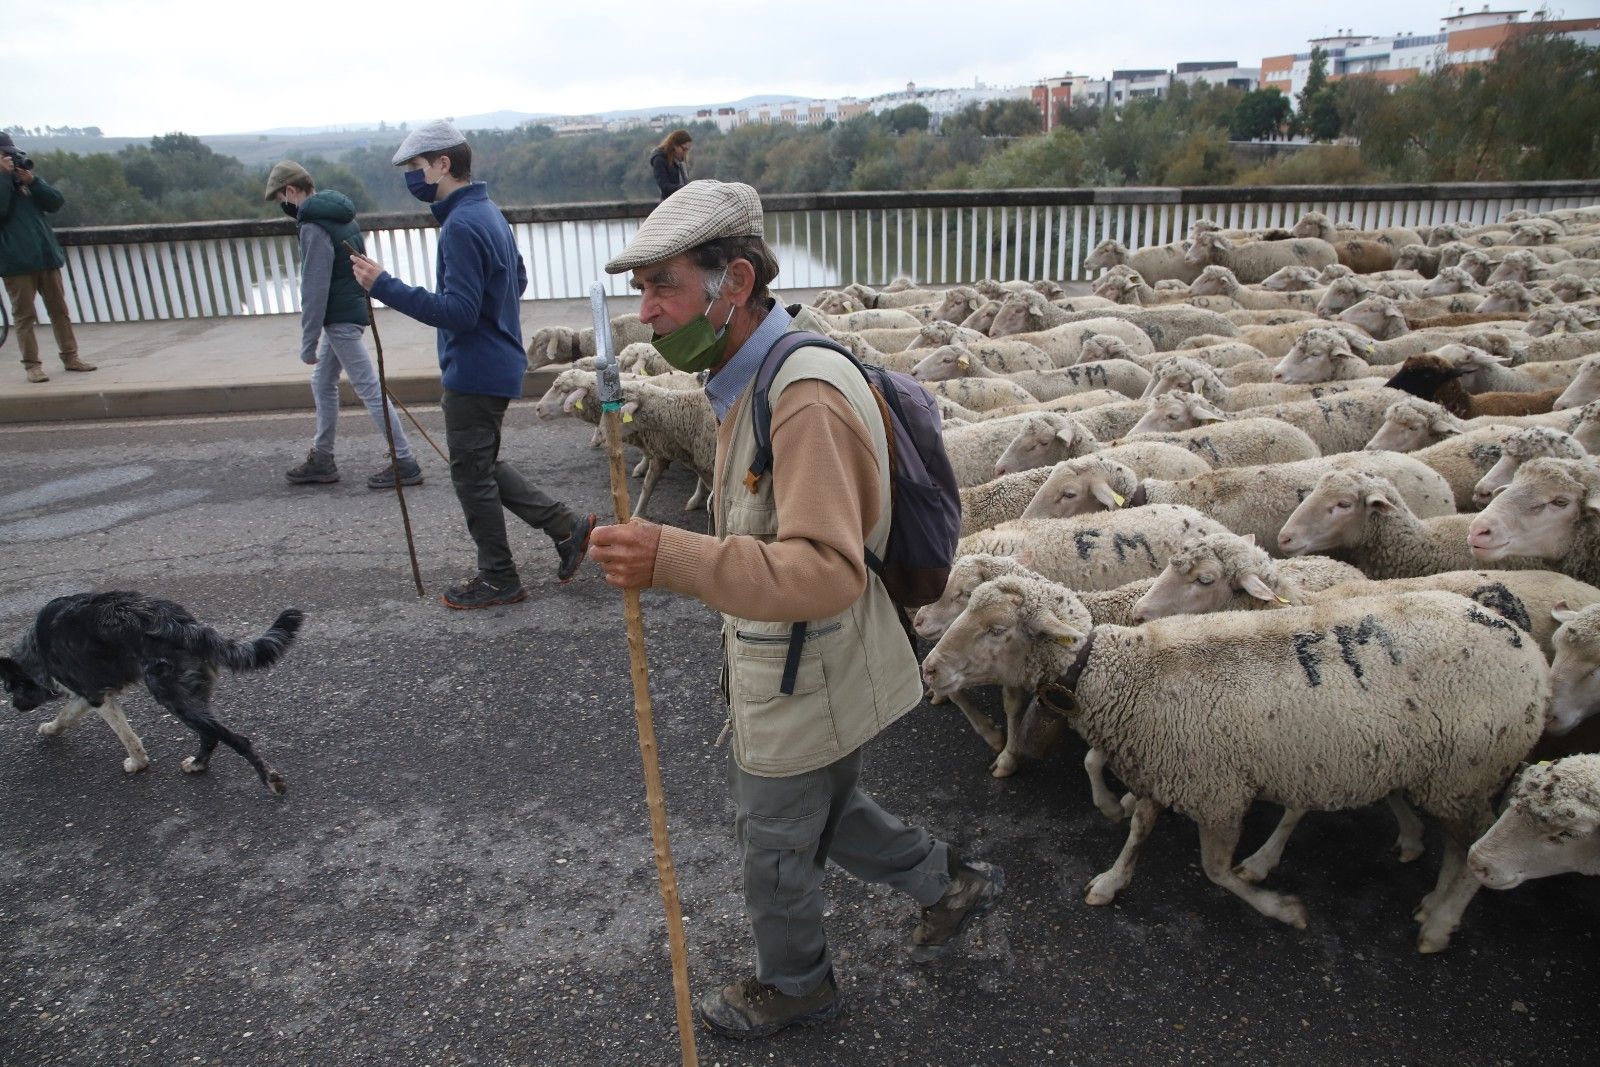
[211,269]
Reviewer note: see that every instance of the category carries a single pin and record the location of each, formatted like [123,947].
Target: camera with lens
[19,157]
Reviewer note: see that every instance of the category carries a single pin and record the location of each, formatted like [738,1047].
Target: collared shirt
[725,387]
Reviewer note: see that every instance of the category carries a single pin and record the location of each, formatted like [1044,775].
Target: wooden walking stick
[388,431]
[610,386]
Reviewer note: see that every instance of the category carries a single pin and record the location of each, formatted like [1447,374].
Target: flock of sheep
[1291,432]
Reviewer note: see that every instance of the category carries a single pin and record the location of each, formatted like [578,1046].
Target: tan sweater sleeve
[825,486]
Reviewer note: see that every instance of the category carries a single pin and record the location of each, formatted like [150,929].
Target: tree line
[1531,113]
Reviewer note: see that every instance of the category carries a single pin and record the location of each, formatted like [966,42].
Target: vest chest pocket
[750,514]
[774,728]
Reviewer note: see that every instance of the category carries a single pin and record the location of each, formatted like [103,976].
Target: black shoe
[479,592]
[574,548]
[410,474]
[973,888]
[318,469]
[752,1009]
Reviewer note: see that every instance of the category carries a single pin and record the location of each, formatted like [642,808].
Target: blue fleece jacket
[477,308]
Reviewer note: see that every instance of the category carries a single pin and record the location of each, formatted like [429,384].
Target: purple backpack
[925,516]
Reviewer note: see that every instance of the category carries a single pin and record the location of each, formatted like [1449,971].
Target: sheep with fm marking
[1254,501]
[1007,496]
[1363,519]
[1270,706]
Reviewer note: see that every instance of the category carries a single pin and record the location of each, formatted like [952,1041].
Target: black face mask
[289,209]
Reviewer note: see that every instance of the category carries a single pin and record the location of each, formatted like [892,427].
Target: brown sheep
[1365,257]
[1435,378]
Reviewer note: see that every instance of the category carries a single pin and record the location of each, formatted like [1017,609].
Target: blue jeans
[343,350]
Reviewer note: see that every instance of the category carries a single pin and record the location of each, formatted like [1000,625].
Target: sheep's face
[1106,254]
[1017,315]
[1214,281]
[1039,443]
[1076,488]
[1206,248]
[1342,294]
[553,344]
[1505,296]
[957,304]
[1571,287]
[966,574]
[1197,587]
[1334,514]
[1314,224]
[1182,376]
[1471,362]
[1519,847]
[1515,267]
[1415,257]
[1404,430]
[1574,669]
[1587,430]
[1118,289]
[943,364]
[1317,356]
[1449,282]
[1538,514]
[570,394]
[991,641]
[1585,387]
[1471,260]
[1290,279]
[1174,412]
[1104,346]
[1377,316]
[834,302]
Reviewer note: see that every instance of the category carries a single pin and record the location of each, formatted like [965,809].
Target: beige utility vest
[857,672]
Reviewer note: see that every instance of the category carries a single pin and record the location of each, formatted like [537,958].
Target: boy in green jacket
[333,310]
[31,259]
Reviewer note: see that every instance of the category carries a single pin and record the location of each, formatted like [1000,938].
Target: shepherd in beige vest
[788,548]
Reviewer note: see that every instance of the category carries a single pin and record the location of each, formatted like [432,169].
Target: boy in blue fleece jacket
[477,311]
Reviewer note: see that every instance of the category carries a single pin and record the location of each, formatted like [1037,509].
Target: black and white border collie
[91,646]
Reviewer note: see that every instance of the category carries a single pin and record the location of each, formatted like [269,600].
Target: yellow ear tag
[1543,763]
[578,404]
[1065,642]
[1119,498]
[1280,600]
[1371,348]
[963,363]
[627,416]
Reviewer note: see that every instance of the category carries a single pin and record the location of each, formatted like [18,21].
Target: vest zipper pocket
[783,639]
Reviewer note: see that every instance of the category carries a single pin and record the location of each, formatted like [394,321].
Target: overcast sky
[213,66]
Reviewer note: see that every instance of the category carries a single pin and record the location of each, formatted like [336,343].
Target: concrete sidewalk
[226,366]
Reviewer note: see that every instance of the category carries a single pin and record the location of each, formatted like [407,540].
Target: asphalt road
[461,870]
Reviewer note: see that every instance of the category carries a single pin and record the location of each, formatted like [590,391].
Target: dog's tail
[253,655]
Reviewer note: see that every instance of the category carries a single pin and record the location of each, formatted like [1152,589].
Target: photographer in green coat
[31,259]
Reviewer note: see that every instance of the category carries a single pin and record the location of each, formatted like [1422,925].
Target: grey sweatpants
[344,350]
[788,829]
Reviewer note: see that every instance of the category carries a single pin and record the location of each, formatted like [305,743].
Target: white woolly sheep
[1342,423]
[974,449]
[1253,262]
[1575,662]
[1185,375]
[1245,442]
[1449,282]
[1550,511]
[1223,356]
[962,361]
[939,334]
[1292,279]
[1465,459]
[1167,328]
[1556,347]
[1516,448]
[1551,825]
[561,344]
[1220,281]
[1585,387]
[1363,519]
[1321,356]
[981,394]
[1252,706]
[1122,376]
[1065,342]
[1153,264]
[1559,318]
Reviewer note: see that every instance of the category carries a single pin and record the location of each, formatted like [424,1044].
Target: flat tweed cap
[282,174]
[701,211]
[434,137]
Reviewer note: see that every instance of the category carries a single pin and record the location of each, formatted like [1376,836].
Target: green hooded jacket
[27,244]
[335,214]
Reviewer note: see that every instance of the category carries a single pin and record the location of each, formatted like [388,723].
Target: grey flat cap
[701,211]
[434,137]
[282,174]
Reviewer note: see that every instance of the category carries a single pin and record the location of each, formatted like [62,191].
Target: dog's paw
[277,783]
[134,766]
[191,765]
[48,729]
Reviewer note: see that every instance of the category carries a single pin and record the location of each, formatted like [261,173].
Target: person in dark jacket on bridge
[670,162]
[31,259]
[477,311]
[333,310]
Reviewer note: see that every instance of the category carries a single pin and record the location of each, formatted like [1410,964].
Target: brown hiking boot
[74,363]
[753,1009]
[318,469]
[36,373]
[973,888]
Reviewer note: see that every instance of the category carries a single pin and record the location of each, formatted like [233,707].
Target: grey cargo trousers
[788,829]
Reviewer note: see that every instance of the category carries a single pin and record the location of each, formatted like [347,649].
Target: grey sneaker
[973,888]
[752,1009]
[318,469]
[480,592]
[410,474]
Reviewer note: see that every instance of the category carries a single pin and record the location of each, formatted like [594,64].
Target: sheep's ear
[628,410]
[1592,501]
[1049,625]
[1205,415]
[1108,496]
[1259,589]
[1197,386]
[1560,612]
[1377,501]
[574,401]
[1067,434]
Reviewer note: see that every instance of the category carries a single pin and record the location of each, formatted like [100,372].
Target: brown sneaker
[36,373]
[752,1009]
[973,888]
[78,365]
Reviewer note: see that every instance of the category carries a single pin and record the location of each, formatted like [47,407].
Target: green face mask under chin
[694,346]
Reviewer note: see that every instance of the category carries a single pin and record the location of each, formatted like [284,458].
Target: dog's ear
[11,674]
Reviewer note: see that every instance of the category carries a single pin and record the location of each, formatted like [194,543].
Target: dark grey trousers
[788,829]
[485,484]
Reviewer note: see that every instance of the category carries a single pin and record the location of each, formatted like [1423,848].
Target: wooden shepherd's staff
[388,431]
[610,385]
